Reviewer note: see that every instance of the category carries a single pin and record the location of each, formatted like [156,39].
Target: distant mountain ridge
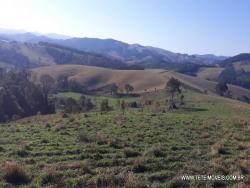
[146,56]
[135,53]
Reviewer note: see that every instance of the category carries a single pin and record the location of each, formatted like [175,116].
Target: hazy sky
[221,27]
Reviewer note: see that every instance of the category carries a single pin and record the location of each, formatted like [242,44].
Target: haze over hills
[130,53]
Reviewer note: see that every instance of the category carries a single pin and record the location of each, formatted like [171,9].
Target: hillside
[30,55]
[238,58]
[95,77]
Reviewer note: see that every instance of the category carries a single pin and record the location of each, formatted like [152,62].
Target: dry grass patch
[112,179]
[15,173]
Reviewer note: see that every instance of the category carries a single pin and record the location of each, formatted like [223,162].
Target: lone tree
[123,106]
[114,89]
[128,88]
[222,89]
[173,87]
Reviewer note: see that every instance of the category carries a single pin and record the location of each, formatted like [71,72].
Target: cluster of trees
[188,68]
[115,90]
[222,89]
[70,105]
[19,97]
[236,77]
[61,84]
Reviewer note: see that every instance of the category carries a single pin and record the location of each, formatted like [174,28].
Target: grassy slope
[209,73]
[163,145]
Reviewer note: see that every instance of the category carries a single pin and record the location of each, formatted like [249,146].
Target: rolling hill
[149,79]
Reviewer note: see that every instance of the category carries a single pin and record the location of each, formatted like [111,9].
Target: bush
[1,149]
[84,137]
[22,152]
[129,152]
[15,173]
[133,104]
[50,177]
[217,149]
[117,143]
[140,165]
[155,151]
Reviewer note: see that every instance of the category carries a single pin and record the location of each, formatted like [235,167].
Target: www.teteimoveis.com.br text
[213,177]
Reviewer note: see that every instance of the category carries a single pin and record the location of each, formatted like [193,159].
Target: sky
[220,27]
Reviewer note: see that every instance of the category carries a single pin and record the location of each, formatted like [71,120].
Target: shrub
[140,165]
[84,137]
[133,104]
[101,139]
[15,173]
[217,149]
[155,151]
[1,149]
[65,115]
[116,143]
[129,152]
[44,141]
[22,152]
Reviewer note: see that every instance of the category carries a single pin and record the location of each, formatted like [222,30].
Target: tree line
[19,97]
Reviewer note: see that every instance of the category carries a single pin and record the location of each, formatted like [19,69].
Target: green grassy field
[149,148]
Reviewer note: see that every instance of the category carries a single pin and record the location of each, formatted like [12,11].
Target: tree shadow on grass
[190,109]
